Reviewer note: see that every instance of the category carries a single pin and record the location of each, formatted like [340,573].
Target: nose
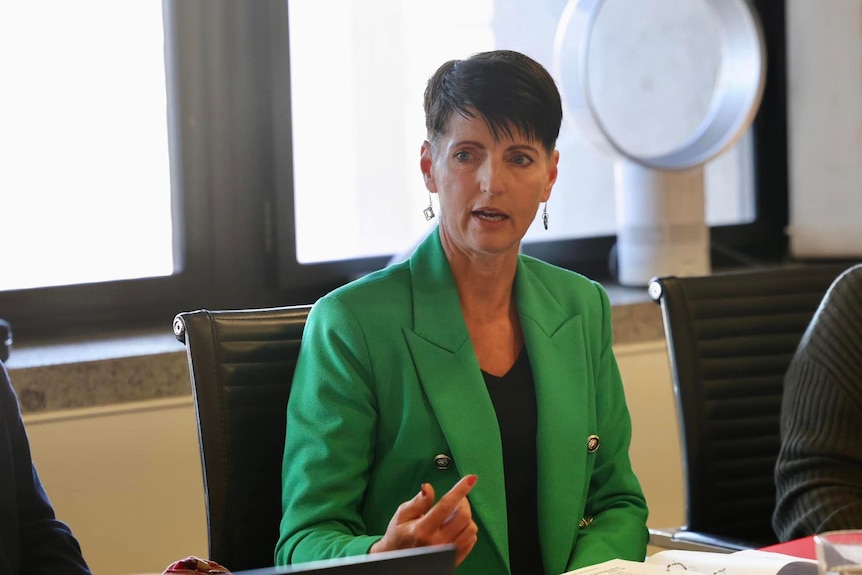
[492,176]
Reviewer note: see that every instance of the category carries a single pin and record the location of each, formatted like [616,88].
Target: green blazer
[387,379]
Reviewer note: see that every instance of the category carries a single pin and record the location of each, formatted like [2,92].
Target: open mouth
[490,215]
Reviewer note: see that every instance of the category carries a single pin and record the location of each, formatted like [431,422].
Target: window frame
[231,172]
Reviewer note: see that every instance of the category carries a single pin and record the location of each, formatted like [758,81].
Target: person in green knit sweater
[818,474]
[469,395]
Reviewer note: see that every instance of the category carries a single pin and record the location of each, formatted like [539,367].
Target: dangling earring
[545,215]
[429,211]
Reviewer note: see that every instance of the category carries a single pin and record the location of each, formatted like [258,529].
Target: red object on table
[802,547]
[192,565]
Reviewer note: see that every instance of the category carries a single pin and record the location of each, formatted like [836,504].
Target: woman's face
[489,190]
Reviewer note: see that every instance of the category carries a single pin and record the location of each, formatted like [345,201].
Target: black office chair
[730,340]
[5,339]
[241,364]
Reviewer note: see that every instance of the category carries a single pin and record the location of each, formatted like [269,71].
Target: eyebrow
[476,144]
[473,143]
[524,147]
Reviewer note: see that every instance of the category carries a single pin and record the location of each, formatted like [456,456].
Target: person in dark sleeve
[32,540]
[818,474]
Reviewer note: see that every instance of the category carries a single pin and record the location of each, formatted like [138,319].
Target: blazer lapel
[450,375]
[556,345]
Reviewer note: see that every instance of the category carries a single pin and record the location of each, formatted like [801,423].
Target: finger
[465,541]
[461,514]
[416,507]
[428,489]
[450,502]
[456,522]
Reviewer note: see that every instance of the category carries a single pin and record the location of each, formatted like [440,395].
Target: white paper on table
[749,562]
[621,567]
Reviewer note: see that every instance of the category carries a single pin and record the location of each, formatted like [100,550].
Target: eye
[522,160]
[463,156]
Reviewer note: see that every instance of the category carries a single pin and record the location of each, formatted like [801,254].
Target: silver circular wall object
[659,199]
[734,102]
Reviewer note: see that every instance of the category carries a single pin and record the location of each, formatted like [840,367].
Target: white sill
[110,345]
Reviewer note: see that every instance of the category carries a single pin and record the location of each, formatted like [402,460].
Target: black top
[514,398]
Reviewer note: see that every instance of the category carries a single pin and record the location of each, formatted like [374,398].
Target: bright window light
[84,179]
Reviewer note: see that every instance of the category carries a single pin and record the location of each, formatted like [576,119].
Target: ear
[426,164]
[552,175]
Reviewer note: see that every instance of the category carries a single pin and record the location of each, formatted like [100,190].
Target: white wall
[655,450]
[824,105]
[127,478]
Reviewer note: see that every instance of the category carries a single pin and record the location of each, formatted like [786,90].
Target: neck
[485,284]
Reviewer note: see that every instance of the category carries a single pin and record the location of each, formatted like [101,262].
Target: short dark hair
[508,89]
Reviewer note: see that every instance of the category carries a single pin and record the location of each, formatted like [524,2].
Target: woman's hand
[419,522]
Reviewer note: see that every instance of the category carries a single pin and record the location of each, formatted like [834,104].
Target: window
[92,203]
[358,72]
[370,191]
[240,139]
[66,191]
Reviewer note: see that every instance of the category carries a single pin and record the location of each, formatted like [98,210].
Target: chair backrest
[5,339]
[731,338]
[241,364]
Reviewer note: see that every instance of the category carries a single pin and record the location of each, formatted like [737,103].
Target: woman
[468,369]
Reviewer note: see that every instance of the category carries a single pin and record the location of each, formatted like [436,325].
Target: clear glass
[358,72]
[839,552]
[85,190]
